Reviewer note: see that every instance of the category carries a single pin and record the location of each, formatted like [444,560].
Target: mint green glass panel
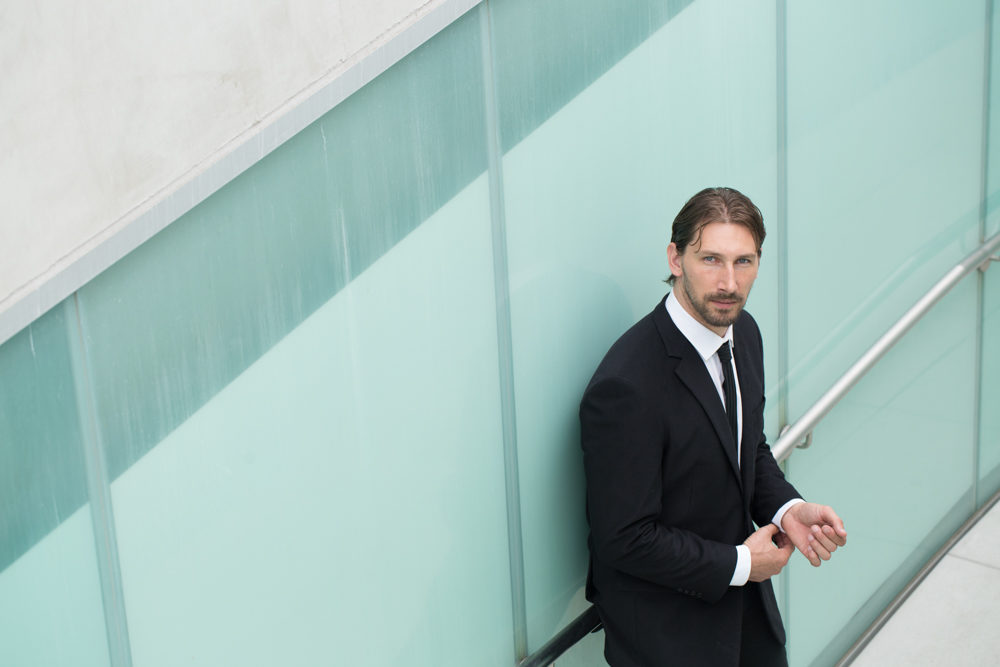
[885,105]
[180,317]
[993,140]
[298,385]
[341,501]
[50,595]
[548,52]
[589,197]
[895,459]
[989,426]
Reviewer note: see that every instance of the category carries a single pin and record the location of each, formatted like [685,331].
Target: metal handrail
[578,628]
[799,434]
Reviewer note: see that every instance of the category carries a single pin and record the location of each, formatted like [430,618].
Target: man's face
[713,276]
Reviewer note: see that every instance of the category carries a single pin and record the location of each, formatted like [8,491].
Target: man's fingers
[824,539]
[818,548]
[830,518]
[810,556]
[805,547]
[834,536]
[761,538]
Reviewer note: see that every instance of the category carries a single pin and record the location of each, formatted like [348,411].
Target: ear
[674,260]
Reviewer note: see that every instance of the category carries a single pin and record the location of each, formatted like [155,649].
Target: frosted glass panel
[50,595]
[993,140]
[904,431]
[884,177]
[179,318]
[343,498]
[989,434]
[590,195]
[548,52]
[299,385]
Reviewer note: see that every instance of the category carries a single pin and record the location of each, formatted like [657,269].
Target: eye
[710,259]
[744,260]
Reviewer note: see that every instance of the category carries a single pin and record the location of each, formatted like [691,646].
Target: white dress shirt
[707,343]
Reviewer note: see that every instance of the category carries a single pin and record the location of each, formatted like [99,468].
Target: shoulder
[630,357]
[749,347]
[625,381]
[746,322]
[745,330]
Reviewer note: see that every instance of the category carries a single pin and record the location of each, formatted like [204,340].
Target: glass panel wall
[297,386]
[884,177]
[328,502]
[301,385]
[989,419]
[904,430]
[992,141]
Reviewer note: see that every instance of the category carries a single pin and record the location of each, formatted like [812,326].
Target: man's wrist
[780,514]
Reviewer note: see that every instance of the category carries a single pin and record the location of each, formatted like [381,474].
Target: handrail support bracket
[986,263]
[805,443]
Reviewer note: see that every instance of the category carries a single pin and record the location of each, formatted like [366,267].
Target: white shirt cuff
[780,514]
[742,573]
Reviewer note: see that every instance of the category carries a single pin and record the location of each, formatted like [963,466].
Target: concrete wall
[106,108]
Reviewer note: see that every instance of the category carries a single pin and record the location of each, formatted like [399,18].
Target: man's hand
[815,530]
[766,557]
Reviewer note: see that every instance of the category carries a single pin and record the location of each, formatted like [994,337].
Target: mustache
[727,296]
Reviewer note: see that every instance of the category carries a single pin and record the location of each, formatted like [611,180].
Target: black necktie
[729,389]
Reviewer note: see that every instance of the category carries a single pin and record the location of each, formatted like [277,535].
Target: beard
[708,313]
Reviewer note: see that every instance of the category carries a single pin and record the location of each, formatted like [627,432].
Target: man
[677,571]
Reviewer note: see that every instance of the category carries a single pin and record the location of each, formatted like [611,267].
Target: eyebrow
[702,251]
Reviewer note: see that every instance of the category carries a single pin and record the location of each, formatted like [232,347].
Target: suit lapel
[692,373]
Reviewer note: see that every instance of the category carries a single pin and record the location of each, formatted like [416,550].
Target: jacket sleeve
[771,489]
[623,439]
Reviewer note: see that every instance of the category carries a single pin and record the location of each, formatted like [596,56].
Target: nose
[727,279]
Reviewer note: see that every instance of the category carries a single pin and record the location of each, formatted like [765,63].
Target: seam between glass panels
[781,108]
[99,495]
[501,283]
[986,129]
[781,111]
[977,407]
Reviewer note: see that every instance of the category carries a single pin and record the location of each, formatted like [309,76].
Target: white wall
[107,108]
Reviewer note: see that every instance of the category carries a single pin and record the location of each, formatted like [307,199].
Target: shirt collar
[705,341]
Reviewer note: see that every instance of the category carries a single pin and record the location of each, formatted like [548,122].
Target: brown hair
[715,205]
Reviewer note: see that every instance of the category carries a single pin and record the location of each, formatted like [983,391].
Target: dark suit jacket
[666,500]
